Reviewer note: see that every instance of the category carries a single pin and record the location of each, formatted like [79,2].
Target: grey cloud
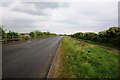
[40,6]
[6,4]
[18,25]
[39,12]
[119,13]
[43,5]
[53,5]
[68,19]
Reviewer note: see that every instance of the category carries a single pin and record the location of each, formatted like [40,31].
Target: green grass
[84,60]
[102,44]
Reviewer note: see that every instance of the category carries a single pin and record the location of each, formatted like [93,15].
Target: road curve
[29,60]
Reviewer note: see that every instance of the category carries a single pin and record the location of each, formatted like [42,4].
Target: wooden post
[13,38]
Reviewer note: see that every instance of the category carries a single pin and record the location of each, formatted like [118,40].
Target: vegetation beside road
[85,60]
[81,56]
[109,37]
[91,55]
[11,36]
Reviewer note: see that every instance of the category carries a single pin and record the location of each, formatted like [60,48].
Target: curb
[52,69]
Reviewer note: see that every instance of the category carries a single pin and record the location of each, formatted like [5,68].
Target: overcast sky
[59,17]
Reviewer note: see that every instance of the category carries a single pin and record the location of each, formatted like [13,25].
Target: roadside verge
[55,63]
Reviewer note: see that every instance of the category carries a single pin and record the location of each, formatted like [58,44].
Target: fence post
[13,38]
[5,38]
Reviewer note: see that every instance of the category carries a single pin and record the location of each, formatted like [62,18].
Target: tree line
[110,36]
[15,36]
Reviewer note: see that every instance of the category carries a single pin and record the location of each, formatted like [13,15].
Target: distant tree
[111,36]
[113,32]
[48,33]
[32,34]
[38,33]
[2,32]
[78,35]
[90,36]
[12,36]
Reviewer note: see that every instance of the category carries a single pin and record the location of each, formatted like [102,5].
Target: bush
[111,36]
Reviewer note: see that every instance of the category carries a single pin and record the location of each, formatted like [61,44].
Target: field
[84,60]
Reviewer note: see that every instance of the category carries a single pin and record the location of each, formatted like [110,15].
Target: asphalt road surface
[31,59]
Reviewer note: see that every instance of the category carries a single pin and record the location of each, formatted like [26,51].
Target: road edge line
[51,69]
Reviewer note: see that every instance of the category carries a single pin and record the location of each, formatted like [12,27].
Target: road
[31,59]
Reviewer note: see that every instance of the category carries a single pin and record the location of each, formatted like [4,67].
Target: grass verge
[84,60]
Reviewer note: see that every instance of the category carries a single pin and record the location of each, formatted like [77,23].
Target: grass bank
[84,60]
